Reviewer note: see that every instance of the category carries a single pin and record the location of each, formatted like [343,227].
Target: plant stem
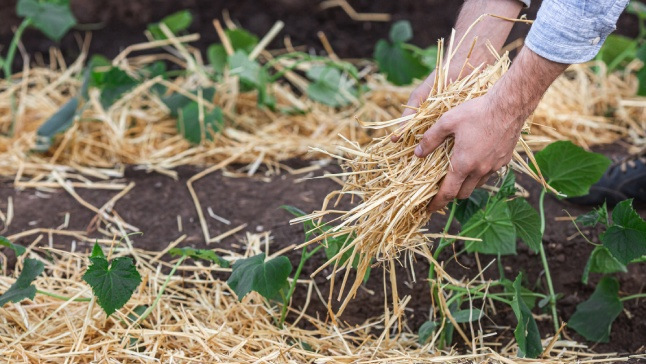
[442,244]
[8,62]
[632,297]
[546,267]
[161,291]
[62,298]
[305,255]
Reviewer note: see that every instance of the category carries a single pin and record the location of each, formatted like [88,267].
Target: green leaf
[54,19]
[242,40]
[401,31]
[494,226]
[22,287]
[508,185]
[426,331]
[56,124]
[592,218]
[175,22]
[113,83]
[469,206]
[527,335]
[593,318]
[17,249]
[177,101]
[328,87]
[601,261]
[204,254]
[188,123]
[113,283]
[217,56]
[570,169]
[137,312]
[153,70]
[527,223]
[254,274]
[464,316]
[400,65]
[626,237]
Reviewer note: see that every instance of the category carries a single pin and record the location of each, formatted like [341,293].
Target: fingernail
[419,151]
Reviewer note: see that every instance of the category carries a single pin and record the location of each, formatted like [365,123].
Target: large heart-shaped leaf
[593,318]
[22,287]
[527,222]
[54,19]
[626,237]
[177,101]
[112,282]
[526,333]
[494,226]
[256,274]
[569,168]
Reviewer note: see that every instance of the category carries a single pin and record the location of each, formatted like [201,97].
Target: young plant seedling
[113,282]
[622,243]
[402,62]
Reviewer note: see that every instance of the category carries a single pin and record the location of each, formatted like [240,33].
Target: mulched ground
[156,201]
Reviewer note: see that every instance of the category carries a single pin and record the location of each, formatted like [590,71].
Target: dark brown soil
[156,201]
[119,23]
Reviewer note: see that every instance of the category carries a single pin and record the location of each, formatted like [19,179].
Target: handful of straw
[396,186]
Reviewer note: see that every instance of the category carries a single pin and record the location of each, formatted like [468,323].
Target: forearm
[494,30]
[520,90]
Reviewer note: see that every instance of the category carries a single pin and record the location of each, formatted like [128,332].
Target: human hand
[485,137]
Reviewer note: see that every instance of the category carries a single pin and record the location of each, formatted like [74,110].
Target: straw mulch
[590,106]
[199,320]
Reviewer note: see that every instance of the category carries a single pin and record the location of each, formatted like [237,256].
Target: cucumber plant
[270,278]
[501,219]
[622,243]
[112,281]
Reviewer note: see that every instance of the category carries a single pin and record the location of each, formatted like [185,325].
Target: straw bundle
[395,186]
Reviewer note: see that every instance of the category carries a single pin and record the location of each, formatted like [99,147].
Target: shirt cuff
[565,32]
[526,2]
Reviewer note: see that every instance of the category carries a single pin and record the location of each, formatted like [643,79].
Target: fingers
[468,186]
[433,137]
[483,180]
[448,191]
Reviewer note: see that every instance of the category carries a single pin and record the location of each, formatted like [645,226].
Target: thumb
[433,137]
